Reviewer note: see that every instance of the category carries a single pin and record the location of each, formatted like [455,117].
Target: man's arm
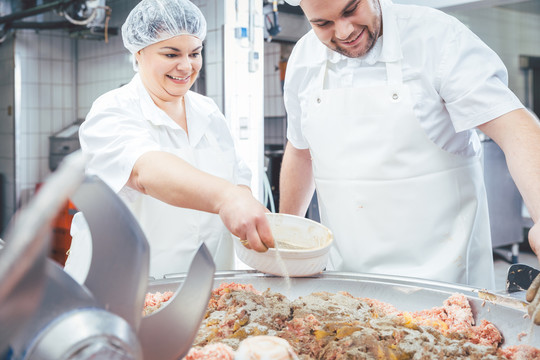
[518,134]
[296,185]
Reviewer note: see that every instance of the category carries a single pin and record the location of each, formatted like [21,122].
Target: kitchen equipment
[98,320]
[23,256]
[160,333]
[118,272]
[407,294]
[47,315]
[520,277]
[303,246]
[63,143]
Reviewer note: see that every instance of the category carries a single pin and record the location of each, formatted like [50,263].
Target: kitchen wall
[44,74]
[60,76]
[38,99]
[7,132]
[103,66]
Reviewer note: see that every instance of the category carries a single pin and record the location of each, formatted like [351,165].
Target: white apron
[396,202]
[174,233]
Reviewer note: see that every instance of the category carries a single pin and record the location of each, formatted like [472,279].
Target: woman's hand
[245,217]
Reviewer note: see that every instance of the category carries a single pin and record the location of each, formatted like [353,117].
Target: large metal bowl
[507,313]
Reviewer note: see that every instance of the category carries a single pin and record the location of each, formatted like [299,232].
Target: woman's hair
[152,21]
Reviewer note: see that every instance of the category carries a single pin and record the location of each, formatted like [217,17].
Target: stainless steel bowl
[507,313]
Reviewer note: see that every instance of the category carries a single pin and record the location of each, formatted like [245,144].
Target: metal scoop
[169,332]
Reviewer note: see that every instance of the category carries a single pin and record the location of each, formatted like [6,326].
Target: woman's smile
[179,80]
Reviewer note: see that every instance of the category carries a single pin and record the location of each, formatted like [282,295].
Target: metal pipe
[41,25]
[35,11]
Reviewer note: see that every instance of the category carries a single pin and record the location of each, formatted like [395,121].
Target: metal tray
[508,314]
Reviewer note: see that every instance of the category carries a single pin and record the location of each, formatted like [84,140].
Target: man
[382,102]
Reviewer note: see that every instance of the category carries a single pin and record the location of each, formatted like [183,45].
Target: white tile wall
[47,98]
[101,67]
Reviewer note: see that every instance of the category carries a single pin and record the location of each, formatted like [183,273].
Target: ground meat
[336,326]
[211,352]
[153,301]
[455,319]
[237,314]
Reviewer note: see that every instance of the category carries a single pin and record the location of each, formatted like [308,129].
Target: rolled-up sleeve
[294,76]
[473,81]
[114,137]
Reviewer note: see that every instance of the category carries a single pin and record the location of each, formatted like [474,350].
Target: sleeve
[114,137]
[242,173]
[473,81]
[291,98]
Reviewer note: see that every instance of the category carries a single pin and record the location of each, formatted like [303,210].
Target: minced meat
[330,326]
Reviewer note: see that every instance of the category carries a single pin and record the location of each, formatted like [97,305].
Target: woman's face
[169,68]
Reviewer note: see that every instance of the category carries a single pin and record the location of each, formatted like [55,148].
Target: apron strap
[394,77]
[394,74]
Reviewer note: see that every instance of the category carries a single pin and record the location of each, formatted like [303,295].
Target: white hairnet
[152,21]
[293,2]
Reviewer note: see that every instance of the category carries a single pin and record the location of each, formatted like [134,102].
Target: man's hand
[245,217]
[534,240]
[533,296]
[533,293]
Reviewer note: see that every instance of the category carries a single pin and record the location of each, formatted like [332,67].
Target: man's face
[350,27]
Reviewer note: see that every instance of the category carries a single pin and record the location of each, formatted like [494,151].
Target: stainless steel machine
[47,315]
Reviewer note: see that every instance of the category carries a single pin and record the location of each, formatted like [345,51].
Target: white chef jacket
[457,81]
[122,125]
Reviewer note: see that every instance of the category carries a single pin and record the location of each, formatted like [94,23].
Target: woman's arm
[170,179]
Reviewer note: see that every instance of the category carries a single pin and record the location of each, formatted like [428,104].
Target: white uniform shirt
[457,82]
[122,125]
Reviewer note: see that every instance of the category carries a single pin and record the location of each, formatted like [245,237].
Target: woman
[167,151]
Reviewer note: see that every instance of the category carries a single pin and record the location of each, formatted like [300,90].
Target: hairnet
[293,2]
[152,21]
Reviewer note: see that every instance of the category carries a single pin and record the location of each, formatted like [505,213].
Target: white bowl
[312,238]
